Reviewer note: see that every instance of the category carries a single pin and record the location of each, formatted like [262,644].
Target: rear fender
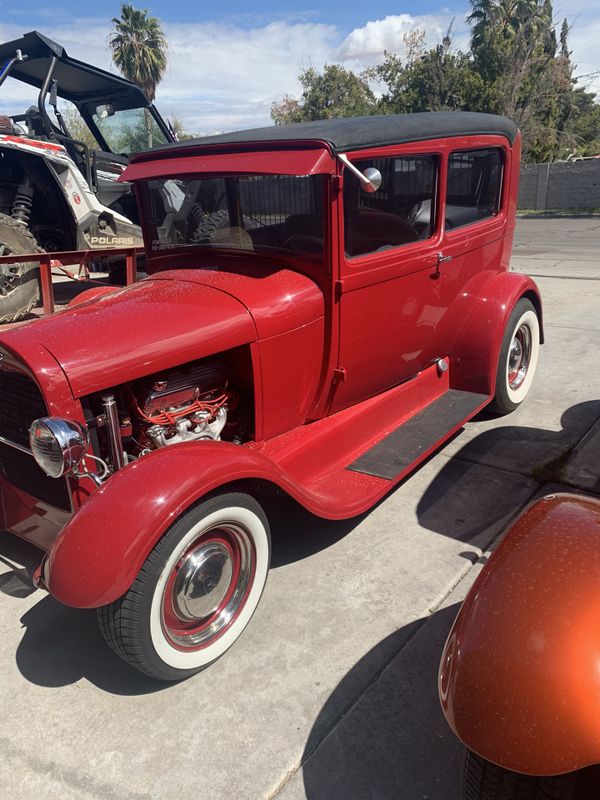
[520,675]
[487,308]
[101,549]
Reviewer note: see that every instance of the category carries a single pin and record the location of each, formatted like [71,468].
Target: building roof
[356,133]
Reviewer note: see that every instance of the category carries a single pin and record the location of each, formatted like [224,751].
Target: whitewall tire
[518,358]
[196,591]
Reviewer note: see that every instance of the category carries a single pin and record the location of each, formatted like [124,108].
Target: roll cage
[36,60]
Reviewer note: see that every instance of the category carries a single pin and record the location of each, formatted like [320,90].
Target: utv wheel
[19,283]
[485,781]
[518,358]
[196,591]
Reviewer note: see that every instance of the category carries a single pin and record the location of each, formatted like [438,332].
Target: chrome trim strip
[16,446]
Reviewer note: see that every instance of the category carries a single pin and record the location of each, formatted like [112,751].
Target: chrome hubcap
[202,581]
[208,587]
[519,356]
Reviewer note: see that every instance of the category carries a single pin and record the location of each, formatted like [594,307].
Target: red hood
[144,328]
[278,299]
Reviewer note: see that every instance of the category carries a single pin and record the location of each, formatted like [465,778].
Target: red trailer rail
[81,258]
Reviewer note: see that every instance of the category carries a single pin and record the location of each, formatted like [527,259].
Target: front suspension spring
[21,207]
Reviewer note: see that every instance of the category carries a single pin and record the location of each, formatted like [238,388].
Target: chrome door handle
[442,259]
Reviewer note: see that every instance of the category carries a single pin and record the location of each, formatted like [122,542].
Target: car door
[474,227]
[389,299]
[409,252]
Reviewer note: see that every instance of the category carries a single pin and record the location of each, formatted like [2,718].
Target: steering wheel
[303,243]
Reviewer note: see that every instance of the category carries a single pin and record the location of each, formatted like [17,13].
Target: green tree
[516,66]
[139,50]
[336,92]
[434,80]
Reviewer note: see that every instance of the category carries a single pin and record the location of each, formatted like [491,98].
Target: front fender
[520,675]
[482,313]
[101,549]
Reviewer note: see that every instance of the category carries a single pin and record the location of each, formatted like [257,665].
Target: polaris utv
[58,187]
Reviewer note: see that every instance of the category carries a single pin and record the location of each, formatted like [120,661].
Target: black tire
[485,781]
[516,368]
[205,225]
[19,283]
[215,557]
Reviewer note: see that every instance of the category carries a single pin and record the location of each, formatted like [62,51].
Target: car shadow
[381,733]
[297,534]
[539,456]
[61,645]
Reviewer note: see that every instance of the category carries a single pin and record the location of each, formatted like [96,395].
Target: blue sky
[227,64]
[347,15]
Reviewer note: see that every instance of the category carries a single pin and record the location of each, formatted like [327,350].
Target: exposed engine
[184,404]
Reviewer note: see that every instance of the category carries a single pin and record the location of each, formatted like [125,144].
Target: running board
[406,444]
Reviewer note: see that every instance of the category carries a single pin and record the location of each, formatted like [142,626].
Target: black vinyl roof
[77,81]
[356,133]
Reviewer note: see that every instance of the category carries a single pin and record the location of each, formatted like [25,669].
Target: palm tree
[139,50]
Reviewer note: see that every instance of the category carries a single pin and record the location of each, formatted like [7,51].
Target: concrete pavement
[331,692]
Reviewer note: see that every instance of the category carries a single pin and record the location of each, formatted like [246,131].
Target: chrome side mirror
[374,180]
[370,179]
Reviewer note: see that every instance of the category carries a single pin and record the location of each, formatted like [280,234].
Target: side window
[474,183]
[401,211]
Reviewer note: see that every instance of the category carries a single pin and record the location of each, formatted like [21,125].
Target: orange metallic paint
[520,675]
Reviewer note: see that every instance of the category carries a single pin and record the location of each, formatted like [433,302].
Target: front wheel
[196,591]
[19,283]
[485,781]
[518,359]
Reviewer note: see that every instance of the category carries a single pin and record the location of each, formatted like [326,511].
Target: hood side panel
[278,299]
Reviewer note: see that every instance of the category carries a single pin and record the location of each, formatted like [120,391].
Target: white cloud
[237,72]
[219,77]
[224,76]
[368,43]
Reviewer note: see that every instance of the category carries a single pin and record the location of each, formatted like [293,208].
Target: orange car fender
[519,679]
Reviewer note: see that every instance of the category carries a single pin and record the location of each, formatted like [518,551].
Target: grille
[20,403]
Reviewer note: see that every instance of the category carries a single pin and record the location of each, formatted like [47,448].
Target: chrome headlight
[58,445]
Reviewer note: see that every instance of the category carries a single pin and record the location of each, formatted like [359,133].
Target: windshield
[257,212]
[128,131]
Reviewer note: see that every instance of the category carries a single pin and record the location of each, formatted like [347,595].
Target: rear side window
[474,186]
[401,211]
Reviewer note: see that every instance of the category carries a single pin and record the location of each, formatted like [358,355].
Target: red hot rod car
[326,304]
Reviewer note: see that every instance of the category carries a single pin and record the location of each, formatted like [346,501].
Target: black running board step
[403,446]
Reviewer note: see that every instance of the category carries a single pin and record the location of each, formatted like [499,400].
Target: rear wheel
[485,781]
[196,591]
[518,358]
[19,283]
